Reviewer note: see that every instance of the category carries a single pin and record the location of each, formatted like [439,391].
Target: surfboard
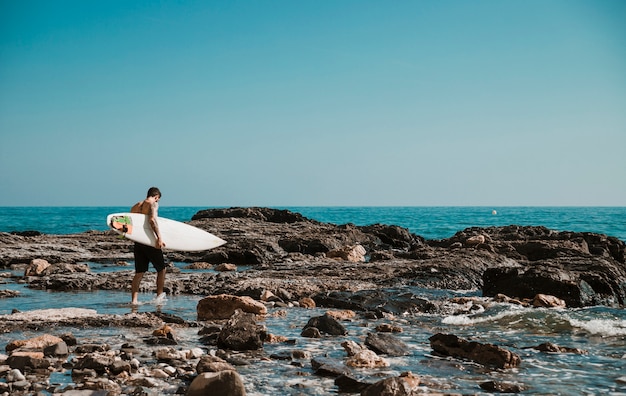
[176,235]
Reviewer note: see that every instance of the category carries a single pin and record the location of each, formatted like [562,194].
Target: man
[145,254]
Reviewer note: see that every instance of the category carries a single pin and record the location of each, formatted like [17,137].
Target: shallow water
[599,330]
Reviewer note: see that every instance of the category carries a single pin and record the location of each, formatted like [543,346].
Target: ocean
[599,330]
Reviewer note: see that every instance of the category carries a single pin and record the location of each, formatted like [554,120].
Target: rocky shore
[351,271]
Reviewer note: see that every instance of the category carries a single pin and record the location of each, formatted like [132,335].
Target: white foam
[602,327]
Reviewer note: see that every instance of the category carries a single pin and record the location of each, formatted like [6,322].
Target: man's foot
[161,298]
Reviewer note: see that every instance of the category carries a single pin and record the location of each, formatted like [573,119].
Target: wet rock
[405,385]
[56,350]
[24,362]
[502,387]
[349,384]
[326,324]
[94,361]
[241,333]
[327,367]
[224,306]
[223,383]
[553,348]
[375,301]
[212,364]
[35,343]
[485,354]
[386,344]
[311,332]
[547,301]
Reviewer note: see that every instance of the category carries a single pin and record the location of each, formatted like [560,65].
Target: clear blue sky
[289,103]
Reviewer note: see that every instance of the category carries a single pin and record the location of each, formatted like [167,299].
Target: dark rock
[349,384]
[241,333]
[375,301]
[502,387]
[553,348]
[404,385]
[384,343]
[485,354]
[24,363]
[327,367]
[58,349]
[311,332]
[94,361]
[327,324]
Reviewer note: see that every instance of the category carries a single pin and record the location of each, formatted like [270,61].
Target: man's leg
[135,287]
[160,282]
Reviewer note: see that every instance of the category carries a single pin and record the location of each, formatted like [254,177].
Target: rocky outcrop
[294,258]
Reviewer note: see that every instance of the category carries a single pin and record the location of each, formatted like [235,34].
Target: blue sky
[295,103]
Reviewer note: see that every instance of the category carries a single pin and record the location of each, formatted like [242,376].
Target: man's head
[153,192]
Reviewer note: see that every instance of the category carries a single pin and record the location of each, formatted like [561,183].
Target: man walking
[145,254]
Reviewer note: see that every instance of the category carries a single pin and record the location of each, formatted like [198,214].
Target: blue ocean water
[428,222]
[599,330]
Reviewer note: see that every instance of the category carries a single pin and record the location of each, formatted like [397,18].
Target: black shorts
[145,254]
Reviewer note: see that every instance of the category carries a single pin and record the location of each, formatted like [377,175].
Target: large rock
[241,333]
[223,306]
[485,354]
[405,385]
[223,383]
[326,324]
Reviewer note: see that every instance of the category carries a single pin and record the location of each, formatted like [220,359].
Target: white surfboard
[176,235]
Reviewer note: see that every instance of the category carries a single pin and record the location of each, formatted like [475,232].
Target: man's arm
[152,216]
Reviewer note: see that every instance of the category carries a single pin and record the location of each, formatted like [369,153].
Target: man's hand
[159,243]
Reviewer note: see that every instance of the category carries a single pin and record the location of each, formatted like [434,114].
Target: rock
[95,361]
[387,344]
[355,253]
[223,383]
[224,306]
[502,387]
[24,363]
[349,384]
[311,332]
[475,240]
[226,267]
[547,301]
[58,349]
[327,325]
[405,385]
[345,314]
[212,364]
[242,333]
[327,367]
[36,267]
[485,354]
[307,302]
[388,328]
[550,347]
[366,359]
[36,343]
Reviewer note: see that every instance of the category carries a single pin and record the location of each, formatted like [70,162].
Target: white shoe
[161,297]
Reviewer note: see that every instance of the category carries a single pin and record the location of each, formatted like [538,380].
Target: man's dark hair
[153,192]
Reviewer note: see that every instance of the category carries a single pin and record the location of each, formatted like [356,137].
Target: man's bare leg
[160,282]
[135,287]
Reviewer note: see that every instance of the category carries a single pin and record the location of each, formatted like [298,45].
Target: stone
[223,383]
[307,302]
[485,354]
[475,240]
[547,301]
[241,332]
[352,253]
[36,267]
[326,324]
[35,343]
[226,267]
[405,385]
[223,306]
[58,349]
[366,359]
[212,364]
[386,344]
